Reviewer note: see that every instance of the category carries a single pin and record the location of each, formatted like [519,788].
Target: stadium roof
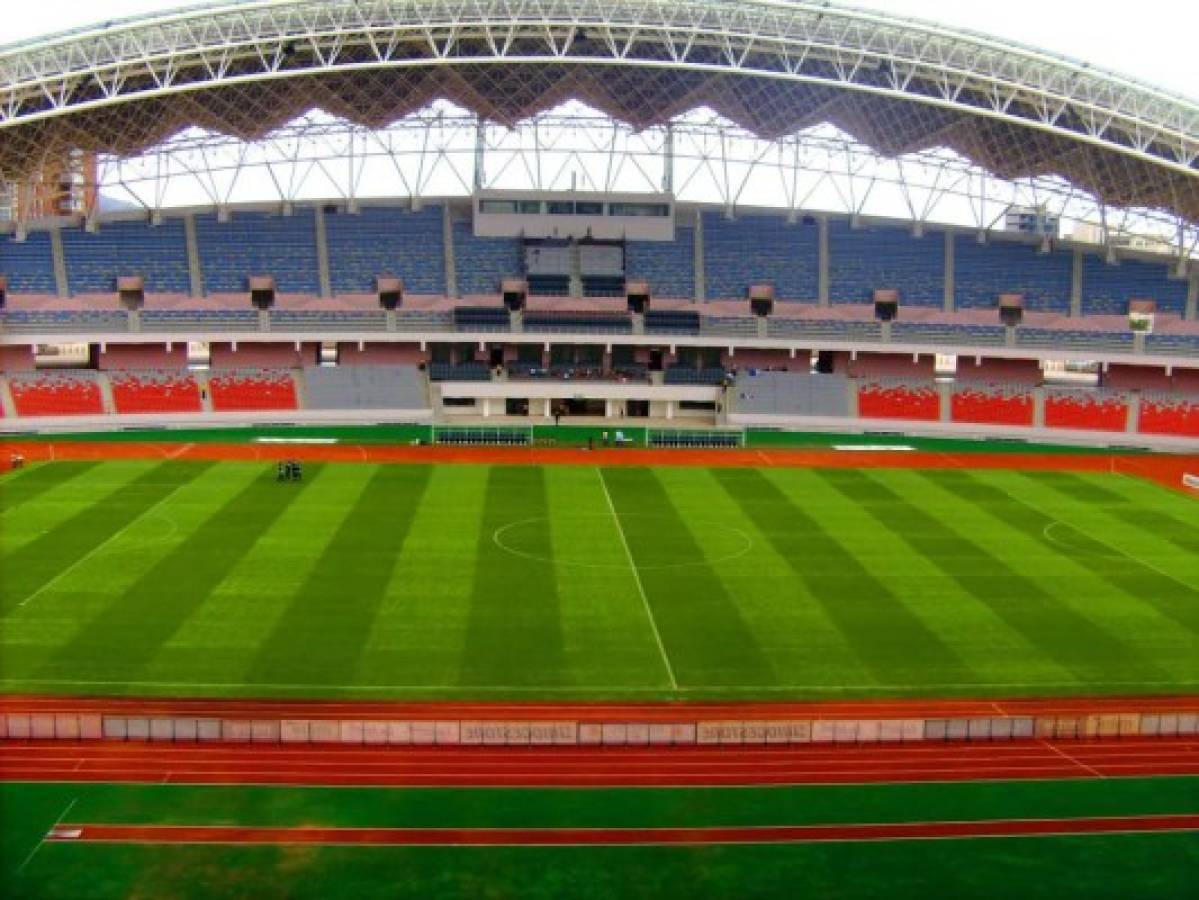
[773,67]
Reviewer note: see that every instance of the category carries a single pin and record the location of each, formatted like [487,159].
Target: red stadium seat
[987,405]
[899,401]
[56,394]
[1088,413]
[252,390]
[155,392]
[1170,417]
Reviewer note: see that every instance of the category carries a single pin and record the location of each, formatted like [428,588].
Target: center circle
[523,538]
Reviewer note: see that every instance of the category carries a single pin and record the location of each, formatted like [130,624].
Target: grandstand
[626,398]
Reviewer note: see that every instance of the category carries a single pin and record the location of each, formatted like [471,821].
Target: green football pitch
[442,581]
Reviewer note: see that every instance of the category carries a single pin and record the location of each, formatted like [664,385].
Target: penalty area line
[637,578]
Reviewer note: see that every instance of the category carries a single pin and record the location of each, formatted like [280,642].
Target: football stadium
[640,448]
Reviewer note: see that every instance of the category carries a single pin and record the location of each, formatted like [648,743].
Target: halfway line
[637,577]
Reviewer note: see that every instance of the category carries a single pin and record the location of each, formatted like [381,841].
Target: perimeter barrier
[458,732]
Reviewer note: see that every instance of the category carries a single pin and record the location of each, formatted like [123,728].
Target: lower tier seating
[1092,412]
[56,394]
[898,400]
[155,392]
[1169,415]
[992,405]
[254,389]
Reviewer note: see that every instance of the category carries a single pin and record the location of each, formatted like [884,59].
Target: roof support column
[480,145]
[701,282]
[947,300]
[195,273]
[1076,285]
[822,257]
[1192,310]
[447,243]
[322,253]
[668,160]
[61,286]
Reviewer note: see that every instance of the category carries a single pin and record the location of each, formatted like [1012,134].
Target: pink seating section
[252,390]
[899,401]
[1160,416]
[1088,413]
[56,394]
[155,392]
[992,406]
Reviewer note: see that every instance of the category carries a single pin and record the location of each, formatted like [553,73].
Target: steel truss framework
[773,67]
[444,151]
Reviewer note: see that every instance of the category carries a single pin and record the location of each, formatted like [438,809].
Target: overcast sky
[1152,40]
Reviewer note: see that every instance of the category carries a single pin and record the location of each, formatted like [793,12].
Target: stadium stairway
[8,409]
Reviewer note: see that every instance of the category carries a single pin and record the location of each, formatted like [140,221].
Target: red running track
[576,766]
[561,837]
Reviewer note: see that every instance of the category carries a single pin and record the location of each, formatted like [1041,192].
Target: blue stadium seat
[984,271]
[28,264]
[158,253]
[255,243]
[755,249]
[386,241]
[668,266]
[862,260]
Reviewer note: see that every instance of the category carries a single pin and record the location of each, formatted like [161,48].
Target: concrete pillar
[851,386]
[107,403]
[322,252]
[945,399]
[822,262]
[7,406]
[609,409]
[1038,408]
[1133,425]
[449,259]
[950,272]
[1192,307]
[61,286]
[701,280]
[195,271]
[669,409]
[1076,285]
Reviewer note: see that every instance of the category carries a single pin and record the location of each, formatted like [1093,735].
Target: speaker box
[390,290]
[1011,309]
[886,305]
[515,291]
[637,296]
[131,291]
[262,291]
[761,299]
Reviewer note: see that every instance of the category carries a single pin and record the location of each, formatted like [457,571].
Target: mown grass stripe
[37,480]
[1170,597]
[514,633]
[883,632]
[1070,639]
[33,565]
[1182,535]
[328,621]
[702,629]
[154,607]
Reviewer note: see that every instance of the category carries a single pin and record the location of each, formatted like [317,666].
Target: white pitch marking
[33,852]
[637,577]
[96,549]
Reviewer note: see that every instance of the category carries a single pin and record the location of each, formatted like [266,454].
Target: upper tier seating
[323,320]
[668,266]
[386,241]
[465,371]
[481,318]
[1106,289]
[252,389]
[160,320]
[155,392]
[548,285]
[64,321]
[158,253]
[713,375]
[992,404]
[894,398]
[753,249]
[1091,410]
[365,387]
[791,394]
[56,393]
[569,320]
[865,259]
[603,285]
[1172,344]
[744,326]
[671,321]
[29,264]
[1081,340]
[984,271]
[483,262]
[1169,414]
[922,332]
[830,329]
[424,320]
[254,243]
